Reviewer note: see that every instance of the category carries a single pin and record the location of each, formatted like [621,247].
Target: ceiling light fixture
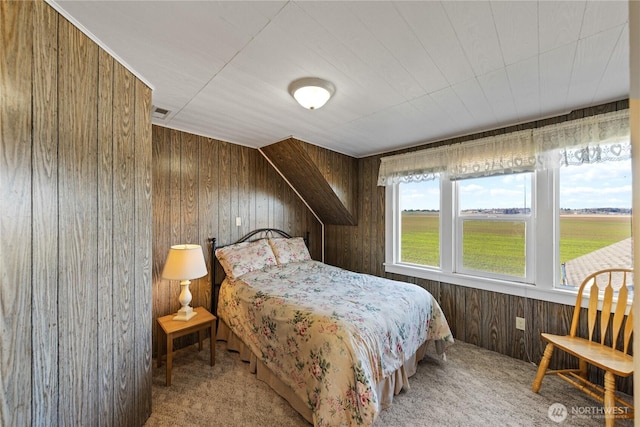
[311,92]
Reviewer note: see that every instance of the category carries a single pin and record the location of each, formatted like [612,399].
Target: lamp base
[185,313]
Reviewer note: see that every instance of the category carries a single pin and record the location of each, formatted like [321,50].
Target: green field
[499,246]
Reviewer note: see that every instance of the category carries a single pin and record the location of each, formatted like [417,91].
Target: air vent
[159,113]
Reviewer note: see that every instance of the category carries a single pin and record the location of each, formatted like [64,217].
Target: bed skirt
[386,389]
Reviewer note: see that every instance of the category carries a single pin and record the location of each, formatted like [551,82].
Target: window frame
[544,219]
[530,238]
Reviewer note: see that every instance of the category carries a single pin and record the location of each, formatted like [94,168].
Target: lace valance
[592,139]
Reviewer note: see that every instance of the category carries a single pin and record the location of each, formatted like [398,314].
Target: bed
[337,345]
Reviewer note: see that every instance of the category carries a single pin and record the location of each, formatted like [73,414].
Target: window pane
[595,219]
[495,195]
[420,223]
[494,246]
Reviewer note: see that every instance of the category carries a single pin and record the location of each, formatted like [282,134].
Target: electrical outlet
[238,221]
[520,323]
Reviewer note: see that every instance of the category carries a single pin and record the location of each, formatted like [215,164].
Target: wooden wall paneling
[517,347]
[331,170]
[175,200]
[432,287]
[473,316]
[224,194]
[244,189]
[252,156]
[495,326]
[278,198]
[16,239]
[189,169]
[45,214]
[556,324]
[365,265]
[379,207]
[58,239]
[332,241]
[377,221]
[293,161]
[162,208]
[317,236]
[374,263]
[234,190]
[124,251]
[460,296]
[560,318]
[539,323]
[189,224]
[208,208]
[143,252]
[447,301]
[288,211]
[345,183]
[271,195]
[262,199]
[105,239]
[77,320]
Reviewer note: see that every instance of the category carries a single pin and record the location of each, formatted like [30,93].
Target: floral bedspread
[331,334]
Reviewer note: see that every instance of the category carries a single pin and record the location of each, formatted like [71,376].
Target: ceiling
[405,72]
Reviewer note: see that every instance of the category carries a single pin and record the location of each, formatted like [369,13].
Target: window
[594,219]
[534,226]
[420,223]
[493,225]
[501,232]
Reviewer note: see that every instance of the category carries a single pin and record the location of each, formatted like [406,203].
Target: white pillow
[289,250]
[241,258]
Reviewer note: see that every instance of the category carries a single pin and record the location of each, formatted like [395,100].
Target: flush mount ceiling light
[311,92]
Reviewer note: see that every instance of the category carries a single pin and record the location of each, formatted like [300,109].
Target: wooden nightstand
[177,328]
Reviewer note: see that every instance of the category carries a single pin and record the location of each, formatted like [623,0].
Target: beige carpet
[474,387]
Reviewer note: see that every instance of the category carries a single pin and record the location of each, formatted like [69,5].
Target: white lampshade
[311,92]
[184,262]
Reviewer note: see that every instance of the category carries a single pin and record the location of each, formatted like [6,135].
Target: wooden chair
[603,353]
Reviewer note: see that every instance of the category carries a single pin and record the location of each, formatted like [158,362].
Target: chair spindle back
[608,282]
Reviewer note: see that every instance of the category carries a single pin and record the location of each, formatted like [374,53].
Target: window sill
[556,295]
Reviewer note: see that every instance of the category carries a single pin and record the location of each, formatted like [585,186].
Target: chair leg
[583,368]
[609,400]
[542,369]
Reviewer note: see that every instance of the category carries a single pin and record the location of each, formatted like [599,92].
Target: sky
[597,185]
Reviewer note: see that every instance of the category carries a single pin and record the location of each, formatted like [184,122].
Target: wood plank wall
[290,158]
[75,173]
[200,187]
[340,171]
[479,317]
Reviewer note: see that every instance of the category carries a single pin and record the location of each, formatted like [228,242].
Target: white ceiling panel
[524,84]
[588,68]
[475,102]
[517,27]
[431,25]
[615,81]
[405,72]
[449,101]
[475,28]
[555,77]
[497,90]
[603,15]
[560,23]
[389,27]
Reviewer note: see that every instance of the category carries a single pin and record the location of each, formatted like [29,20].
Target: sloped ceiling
[406,72]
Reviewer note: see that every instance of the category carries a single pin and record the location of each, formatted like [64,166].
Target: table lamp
[185,262]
